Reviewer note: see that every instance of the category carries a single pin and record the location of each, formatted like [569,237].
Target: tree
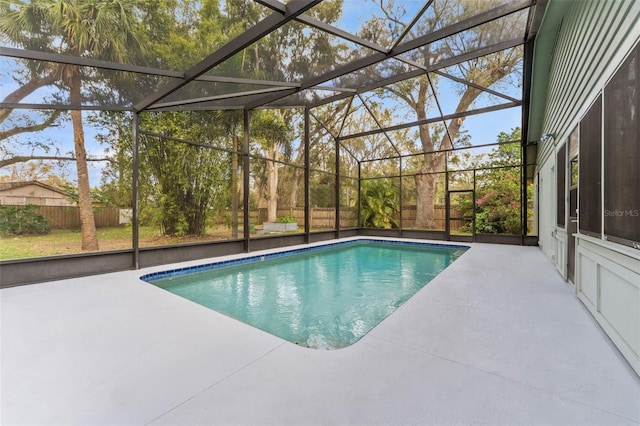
[273,133]
[176,178]
[321,149]
[498,187]
[486,71]
[117,139]
[291,53]
[35,171]
[231,123]
[75,28]
[21,27]
[17,125]
[180,183]
[187,178]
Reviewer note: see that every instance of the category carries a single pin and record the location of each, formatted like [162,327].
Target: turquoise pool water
[321,297]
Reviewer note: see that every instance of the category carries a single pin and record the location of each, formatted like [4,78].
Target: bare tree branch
[35,128]
[25,158]
[388,15]
[23,91]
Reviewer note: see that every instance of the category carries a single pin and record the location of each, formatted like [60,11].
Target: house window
[622,153]
[561,161]
[590,205]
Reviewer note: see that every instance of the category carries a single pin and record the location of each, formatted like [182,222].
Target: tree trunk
[297,177]
[234,188]
[87,222]
[425,182]
[262,194]
[272,184]
[425,202]
[295,187]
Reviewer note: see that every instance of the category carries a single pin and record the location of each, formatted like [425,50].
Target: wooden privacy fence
[320,217]
[439,215]
[68,217]
[324,217]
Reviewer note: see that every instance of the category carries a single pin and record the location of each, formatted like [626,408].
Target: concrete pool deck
[497,338]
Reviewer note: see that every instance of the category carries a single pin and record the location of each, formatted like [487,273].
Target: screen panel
[561,159]
[590,203]
[622,153]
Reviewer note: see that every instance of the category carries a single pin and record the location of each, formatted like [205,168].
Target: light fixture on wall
[547,136]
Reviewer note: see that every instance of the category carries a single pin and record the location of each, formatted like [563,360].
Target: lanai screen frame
[279,91]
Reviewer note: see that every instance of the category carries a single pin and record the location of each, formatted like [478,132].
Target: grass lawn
[60,241]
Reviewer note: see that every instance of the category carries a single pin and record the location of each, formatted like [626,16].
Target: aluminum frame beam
[409,26]
[85,62]
[214,98]
[323,26]
[289,88]
[64,107]
[137,69]
[432,120]
[477,86]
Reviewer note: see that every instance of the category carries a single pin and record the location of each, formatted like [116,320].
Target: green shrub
[379,203]
[21,220]
[286,219]
[483,224]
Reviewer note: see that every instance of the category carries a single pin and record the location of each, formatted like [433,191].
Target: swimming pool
[326,296]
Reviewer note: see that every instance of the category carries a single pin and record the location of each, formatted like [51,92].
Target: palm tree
[93,28]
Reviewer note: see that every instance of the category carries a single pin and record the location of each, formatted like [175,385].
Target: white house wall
[33,194]
[594,39]
[608,283]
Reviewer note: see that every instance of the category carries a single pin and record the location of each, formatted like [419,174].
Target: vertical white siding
[594,39]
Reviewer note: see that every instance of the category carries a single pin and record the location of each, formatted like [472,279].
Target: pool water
[319,298]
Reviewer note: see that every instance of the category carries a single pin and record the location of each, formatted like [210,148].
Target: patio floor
[497,338]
